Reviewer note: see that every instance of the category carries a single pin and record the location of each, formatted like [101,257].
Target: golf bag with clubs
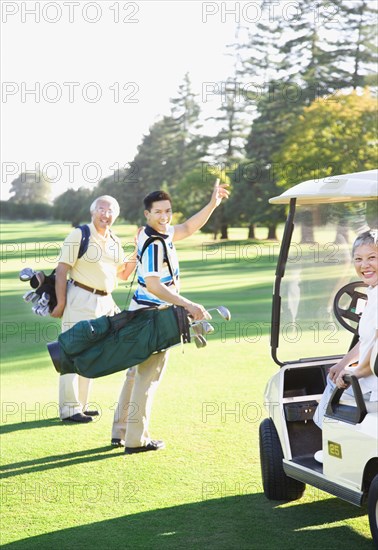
[42,295]
[106,345]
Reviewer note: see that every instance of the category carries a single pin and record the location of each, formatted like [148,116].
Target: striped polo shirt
[154,263]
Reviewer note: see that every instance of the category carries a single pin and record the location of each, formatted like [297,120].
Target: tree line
[300,104]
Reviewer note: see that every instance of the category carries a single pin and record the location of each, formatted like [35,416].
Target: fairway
[65,486]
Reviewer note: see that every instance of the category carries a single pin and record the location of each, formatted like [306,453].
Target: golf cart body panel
[308,336]
[352,446]
[321,481]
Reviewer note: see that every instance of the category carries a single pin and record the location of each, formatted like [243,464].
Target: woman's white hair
[111,200]
[368,237]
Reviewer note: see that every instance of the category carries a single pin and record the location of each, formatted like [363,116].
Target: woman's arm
[361,371]
[350,357]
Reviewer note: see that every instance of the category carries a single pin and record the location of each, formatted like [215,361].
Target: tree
[306,65]
[268,132]
[305,57]
[355,47]
[73,206]
[188,146]
[229,141]
[31,187]
[328,46]
[194,190]
[270,52]
[330,137]
[249,202]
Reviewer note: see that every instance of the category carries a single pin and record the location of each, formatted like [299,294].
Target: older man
[88,294]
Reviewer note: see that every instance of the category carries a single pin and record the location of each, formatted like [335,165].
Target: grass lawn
[64,486]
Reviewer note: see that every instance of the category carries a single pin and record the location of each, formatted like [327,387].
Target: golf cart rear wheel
[373,509]
[277,485]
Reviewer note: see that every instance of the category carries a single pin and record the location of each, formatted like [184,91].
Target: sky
[83,81]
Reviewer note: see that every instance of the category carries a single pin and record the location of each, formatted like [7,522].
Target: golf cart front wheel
[277,485]
[373,509]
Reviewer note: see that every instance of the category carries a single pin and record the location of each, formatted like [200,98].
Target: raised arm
[199,219]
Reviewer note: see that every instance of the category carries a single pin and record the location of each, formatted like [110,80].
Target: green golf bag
[106,345]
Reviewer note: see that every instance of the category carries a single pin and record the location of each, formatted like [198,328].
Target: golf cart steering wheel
[349,313]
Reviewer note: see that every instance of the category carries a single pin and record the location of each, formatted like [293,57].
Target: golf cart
[317,304]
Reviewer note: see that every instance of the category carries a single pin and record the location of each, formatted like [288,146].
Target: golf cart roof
[358,186]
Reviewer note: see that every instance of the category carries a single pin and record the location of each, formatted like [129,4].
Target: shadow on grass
[48,422]
[56,461]
[243,522]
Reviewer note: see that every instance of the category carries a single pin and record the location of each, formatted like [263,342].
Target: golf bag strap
[183,323]
[166,257]
[166,254]
[85,234]
[180,312]
[84,243]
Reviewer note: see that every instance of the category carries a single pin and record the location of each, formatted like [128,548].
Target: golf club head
[44,300]
[45,311]
[200,341]
[207,328]
[37,280]
[223,312]
[202,327]
[30,296]
[26,274]
[41,310]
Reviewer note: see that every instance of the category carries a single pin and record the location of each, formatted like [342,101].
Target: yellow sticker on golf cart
[334,449]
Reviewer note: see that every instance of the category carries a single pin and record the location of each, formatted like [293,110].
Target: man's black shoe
[154,445]
[78,417]
[91,413]
[117,442]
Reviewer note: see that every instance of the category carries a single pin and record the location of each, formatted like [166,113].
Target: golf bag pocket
[84,334]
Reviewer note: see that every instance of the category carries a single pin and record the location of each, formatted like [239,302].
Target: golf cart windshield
[310,272]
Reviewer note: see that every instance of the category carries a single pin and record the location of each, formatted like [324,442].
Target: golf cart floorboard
[305,438]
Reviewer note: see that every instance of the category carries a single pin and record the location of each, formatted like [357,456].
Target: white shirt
[153,263]
[367,331]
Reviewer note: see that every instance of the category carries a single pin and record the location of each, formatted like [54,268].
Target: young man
[88,294]
[156,287]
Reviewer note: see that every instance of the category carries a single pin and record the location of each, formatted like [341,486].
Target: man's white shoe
[319,456]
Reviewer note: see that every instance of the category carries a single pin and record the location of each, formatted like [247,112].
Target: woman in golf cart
[365,258]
